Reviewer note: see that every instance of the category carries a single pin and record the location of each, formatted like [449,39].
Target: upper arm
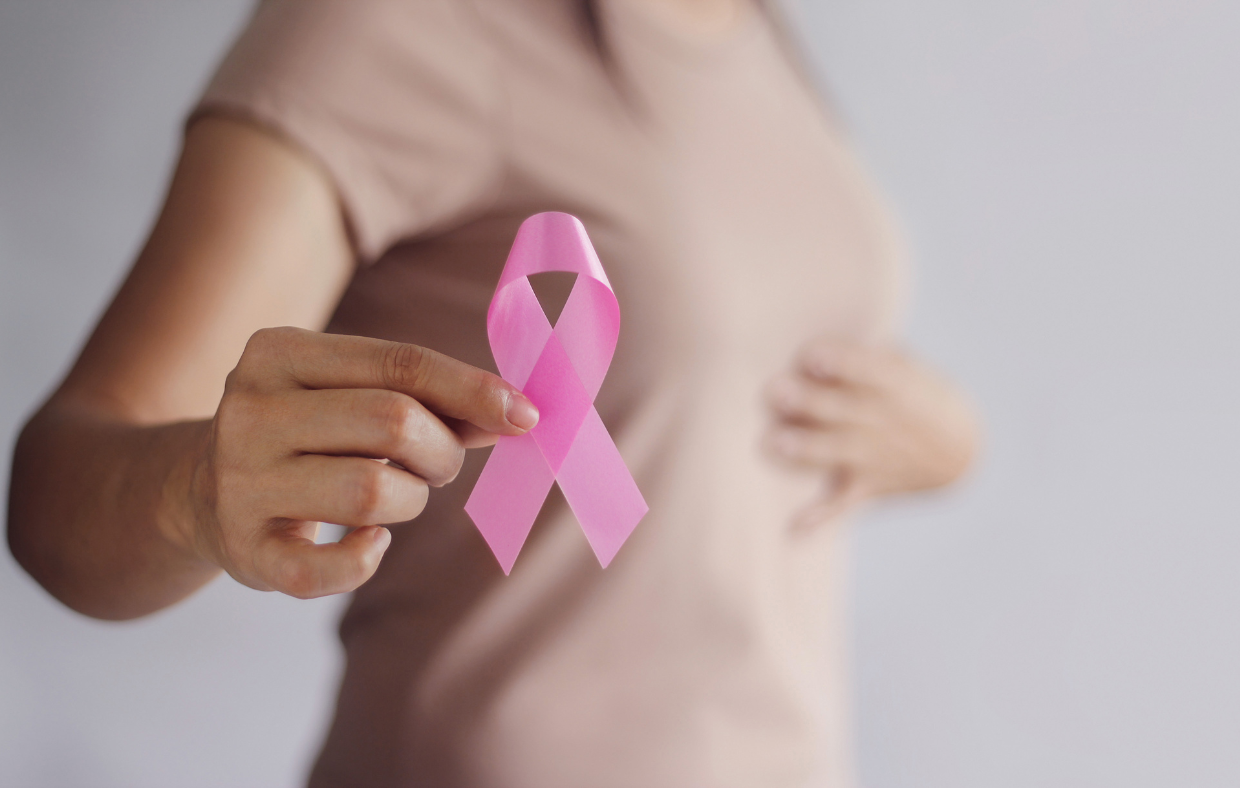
[251,235]
[388,113]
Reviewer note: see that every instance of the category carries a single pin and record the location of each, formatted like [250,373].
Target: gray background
[1068,174]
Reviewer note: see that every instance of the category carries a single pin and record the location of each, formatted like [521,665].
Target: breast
[767,231]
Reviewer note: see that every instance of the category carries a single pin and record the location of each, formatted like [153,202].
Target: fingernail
[521,413]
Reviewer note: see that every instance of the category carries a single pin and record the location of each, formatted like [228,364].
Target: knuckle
[369,493]
[439,457]
[235,379]
[490,391]
[407,500]
[451,462]
[417,501]
[399,420]
[408,431]
[406,366]
[265,348]
[297,579]
[243,378]
[266,340]
[237,404]
[368,565]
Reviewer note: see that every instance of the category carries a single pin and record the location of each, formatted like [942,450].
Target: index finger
[444,385]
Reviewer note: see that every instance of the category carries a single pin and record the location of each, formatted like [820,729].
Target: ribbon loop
[560,369]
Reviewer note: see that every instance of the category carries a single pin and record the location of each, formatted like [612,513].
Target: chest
[731,217]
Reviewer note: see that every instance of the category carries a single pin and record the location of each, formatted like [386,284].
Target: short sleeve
[397,99]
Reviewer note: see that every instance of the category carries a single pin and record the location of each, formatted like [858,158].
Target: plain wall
[1068,174]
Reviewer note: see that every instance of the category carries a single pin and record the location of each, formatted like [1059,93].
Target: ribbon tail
[600,490]
[508,496]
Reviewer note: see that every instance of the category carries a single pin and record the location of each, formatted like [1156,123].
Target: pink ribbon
[560,369]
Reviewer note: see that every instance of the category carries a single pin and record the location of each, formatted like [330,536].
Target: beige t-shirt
[734,225]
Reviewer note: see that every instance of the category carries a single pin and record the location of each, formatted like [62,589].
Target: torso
[734,225]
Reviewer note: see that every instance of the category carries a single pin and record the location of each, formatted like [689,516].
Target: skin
[190,438]
[700,17]
[874,420]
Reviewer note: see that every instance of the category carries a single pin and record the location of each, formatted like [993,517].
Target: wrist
[186,498]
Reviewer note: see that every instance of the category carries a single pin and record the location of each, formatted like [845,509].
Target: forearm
[98,506]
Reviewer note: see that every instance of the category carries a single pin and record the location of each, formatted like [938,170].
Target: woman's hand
[161,459]
[875,421]
[301,435]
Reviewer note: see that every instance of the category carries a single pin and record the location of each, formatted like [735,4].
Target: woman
[361,167]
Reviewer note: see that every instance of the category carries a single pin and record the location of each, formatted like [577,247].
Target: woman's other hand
[324,428]
[875,421]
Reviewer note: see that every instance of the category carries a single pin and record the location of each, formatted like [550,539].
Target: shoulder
[400,101]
